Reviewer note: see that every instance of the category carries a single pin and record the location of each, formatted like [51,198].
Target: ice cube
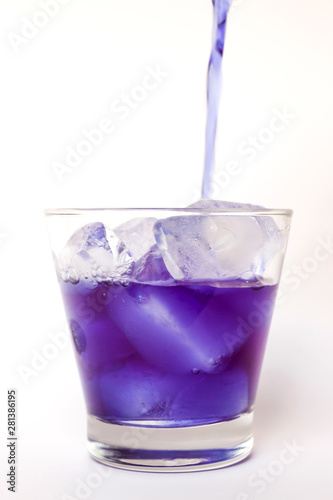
[138,235]
[94,254]
[217,247]
[216,397]
[151,269]
[179,329]
[137,392]
[226,205]
[106,347]
[97,339]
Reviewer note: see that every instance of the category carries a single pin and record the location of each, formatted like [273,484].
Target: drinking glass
[169,312]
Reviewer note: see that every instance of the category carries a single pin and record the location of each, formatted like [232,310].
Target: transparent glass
[169,311]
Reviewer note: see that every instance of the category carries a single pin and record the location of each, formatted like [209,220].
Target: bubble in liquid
[125,284]
[78,335]
[64,276]
[73,277]
[247,276]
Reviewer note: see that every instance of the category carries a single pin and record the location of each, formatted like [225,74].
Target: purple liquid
[169,355]
[214,80]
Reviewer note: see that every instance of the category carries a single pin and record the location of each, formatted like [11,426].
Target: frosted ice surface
[93,254]
[216,246]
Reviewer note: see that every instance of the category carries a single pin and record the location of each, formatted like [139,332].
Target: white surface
[279,53]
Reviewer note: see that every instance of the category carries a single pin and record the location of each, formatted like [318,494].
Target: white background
[63,80]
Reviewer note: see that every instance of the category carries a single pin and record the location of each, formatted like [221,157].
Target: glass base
[172,449]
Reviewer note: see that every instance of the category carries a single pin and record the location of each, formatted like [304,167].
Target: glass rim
[213,211]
